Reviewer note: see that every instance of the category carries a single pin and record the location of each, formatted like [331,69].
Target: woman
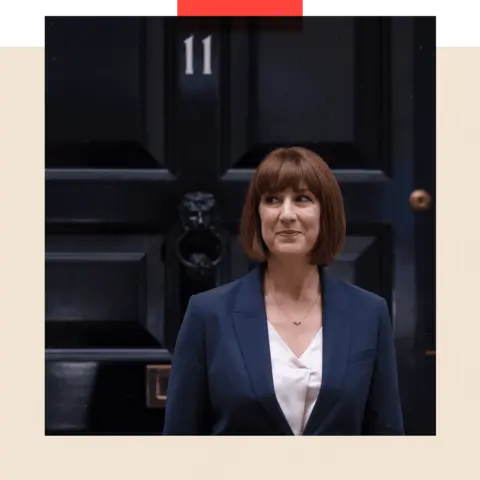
[287,349]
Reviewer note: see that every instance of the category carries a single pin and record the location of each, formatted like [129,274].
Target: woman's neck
[292,279]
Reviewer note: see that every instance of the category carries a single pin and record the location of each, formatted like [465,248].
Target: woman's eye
[277,199]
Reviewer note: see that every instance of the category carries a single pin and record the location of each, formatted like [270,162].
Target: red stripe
[239,8]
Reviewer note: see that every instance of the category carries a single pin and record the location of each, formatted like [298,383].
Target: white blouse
[296,380]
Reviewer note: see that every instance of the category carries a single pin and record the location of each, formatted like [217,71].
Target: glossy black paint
[128,134]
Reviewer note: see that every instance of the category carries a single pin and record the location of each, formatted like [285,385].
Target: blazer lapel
[336,344]
[250,322]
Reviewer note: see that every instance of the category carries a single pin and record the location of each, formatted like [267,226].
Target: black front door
[153,129]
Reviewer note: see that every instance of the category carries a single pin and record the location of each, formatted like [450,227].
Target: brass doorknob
[420,200]
[157,383]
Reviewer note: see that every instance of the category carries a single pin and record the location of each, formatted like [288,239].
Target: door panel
[143,147]
[104,291]
[98,397]
[318,85]
[105,93]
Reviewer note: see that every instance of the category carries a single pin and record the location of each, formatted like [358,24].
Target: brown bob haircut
[296,168]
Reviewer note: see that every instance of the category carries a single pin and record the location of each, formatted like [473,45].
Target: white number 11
[207,55]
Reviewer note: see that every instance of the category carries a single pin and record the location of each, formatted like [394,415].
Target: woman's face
[290,222]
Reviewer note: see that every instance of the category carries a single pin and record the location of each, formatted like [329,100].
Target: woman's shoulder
[359,295]
[215,297]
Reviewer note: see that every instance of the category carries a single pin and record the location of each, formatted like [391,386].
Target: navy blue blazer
[221,377]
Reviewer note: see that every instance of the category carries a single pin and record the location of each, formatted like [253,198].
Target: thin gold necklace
[296,323]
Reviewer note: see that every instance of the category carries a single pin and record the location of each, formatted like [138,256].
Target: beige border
[26,453]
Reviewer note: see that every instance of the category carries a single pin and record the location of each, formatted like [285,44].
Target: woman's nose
[287,210]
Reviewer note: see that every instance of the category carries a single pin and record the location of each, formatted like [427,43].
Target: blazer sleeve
[383,415]
[187,392]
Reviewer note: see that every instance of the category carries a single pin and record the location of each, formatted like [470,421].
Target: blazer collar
[250,323]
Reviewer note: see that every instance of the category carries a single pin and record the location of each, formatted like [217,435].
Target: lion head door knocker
[199,246]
